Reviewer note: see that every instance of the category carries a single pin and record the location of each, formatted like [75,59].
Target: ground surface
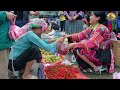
[104,75]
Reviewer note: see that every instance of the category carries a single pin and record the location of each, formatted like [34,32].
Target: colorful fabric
[111,25]
[96,39]
[99,39]
[73,13]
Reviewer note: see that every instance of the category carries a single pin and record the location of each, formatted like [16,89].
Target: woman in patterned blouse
[92,46]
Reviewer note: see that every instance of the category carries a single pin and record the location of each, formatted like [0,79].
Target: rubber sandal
[95,72]
[21,73]
[34,77]
[83,70]
[89,70]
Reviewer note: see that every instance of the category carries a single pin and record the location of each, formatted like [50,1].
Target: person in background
[23,17]
[85,23]
[34,14]
[86,16]
[74,22]
[62,20]
[5,42]
[26,49]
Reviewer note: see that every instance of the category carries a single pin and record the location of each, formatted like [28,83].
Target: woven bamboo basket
[116,51]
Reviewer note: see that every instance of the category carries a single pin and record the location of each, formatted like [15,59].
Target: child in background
[62,20]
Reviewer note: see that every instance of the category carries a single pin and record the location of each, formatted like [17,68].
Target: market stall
[59,65]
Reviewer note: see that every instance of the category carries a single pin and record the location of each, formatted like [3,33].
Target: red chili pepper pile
[61,72]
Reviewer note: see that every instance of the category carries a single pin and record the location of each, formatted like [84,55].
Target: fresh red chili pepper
[59,71]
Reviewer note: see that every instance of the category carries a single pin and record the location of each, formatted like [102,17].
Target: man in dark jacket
[22,17]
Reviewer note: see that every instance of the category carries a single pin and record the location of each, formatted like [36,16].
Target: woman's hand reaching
[60,40]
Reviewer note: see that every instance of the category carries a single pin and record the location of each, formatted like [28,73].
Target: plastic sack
[15,31]
[26,27]
[67,62]
[116,75]
[62,49]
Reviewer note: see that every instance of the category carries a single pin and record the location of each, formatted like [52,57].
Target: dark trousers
[32,53]
[21,23]
[62,25]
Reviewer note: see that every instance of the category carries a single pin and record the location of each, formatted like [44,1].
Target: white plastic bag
[67,62]
[70,56]
[116,75]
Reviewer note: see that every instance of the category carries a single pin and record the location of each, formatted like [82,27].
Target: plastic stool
[100,68]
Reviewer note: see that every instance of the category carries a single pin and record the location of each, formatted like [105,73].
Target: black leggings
[32,53]
[62,25]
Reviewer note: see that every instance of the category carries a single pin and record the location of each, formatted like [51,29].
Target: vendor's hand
[66,36]
[79,45]
[60,40]
[71,45]
[63,35]
[11,15]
